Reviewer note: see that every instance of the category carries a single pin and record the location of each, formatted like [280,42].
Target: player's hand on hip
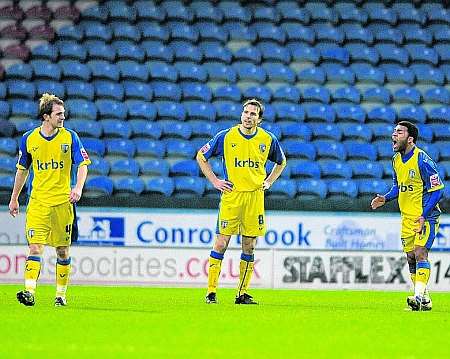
[75,195]
[266,185]
[14,207]
[223,185]
[421,222]
[378,201]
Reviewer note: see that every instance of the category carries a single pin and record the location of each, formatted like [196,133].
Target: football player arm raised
[205,167]
[19,181]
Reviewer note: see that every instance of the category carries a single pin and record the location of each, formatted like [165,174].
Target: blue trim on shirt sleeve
[25,157]
[216,145]
[435,197]
[77,157]
[275,152]
[393,192]
[427,168]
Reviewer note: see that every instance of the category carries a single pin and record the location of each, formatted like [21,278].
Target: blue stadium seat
[8,146]
[416,34]
[289,111]
[371,187]
[160,185]
[2,90]
[205,11]
[357,150]
[144,128]
[315,75]
[312,187]
[287,93]
[155,167]
[295,130]
[239,31]
[377,12]
[163,72]
[338,55]
[422,53]
[443,51]
[111,109]
[335,169]
[20,88]
[25,125]
[94,146]
[127,50]
[149,148]
[197,110]
[44,69]
[408,95]
[384,149]
[120,147]
[250,72]
[137,90]
[118,10]
[96,13]
[415,114]
[129,185]
[97,31]
[177,11]
[203,128]
[131,70]
[85,127]
[282,189]
[184,168]
[392,53]
[7,128]
[330,34]
[99,166]
[70,50]
[262,93]
[179,148]
[377,94]
[327,131]
[189,186]
[126,166]
[125,31]
[381,131]
[304,169]
[146,10]
[104,70]
[273,128]
[53,87]
[317,94]
[265,14]
[274,53]
[48,51]
[297,32]
[355,33]
[441,132]
[73,70]
[321,13]
[234,12]
[215,52]
[116,128]
[99,186]
[330,150]
[153,31]
[425,132]
[319,113]
[338,73]
[269,113]
[209,31]
[228,93]
[248,54]
[109,90]
[434,150]
[303,53]
[99,50]
[365,73]
[398,74]
[175,129]
[19,71]
[268,32]
[364,169]
[23,108]
[279,72]
[428,74]
[195,91]
[185,51]
[342,187]
[362,53]
[170,110]
[382,114]
[220,72]
[439,95]
[295,149]
[293,13]
[79,89]
[157,51]
[439,114]
[166,91]
[227,110]
[390,35]
[347,94]
[139,109]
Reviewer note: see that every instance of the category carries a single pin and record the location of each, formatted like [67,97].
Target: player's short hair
[413,131]
[256,103]
[46,104]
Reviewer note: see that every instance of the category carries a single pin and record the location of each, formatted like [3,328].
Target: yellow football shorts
[410,239]
[242,213]
[49,225]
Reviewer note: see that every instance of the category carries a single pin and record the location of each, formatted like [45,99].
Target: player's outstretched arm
[205,167]
[378,201]
[75,193]
[19,181]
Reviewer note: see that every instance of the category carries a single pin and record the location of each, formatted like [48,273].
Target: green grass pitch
[141,322]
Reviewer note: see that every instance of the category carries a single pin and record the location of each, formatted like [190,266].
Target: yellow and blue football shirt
[53,162]
[244,156]
[416,178]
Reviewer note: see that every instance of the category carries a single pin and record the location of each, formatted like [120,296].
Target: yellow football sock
[62,276]
[422,276]
[215,264]
[246,266]
[32,271]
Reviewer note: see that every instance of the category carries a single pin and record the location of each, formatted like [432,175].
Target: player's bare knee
[421,254]
[220,244]
[62,252]
[248,245]
[35,249]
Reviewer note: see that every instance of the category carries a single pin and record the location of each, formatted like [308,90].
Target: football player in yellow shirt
[418,187]
[48,154]
[245,149]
